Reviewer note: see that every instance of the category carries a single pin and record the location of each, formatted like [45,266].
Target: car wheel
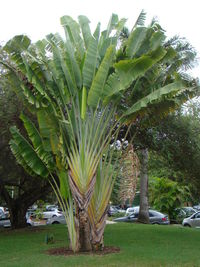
[55,222]
[155,223]
[28,224]
[187,225]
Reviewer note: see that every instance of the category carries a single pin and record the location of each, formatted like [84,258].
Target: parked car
[5,210]
[192,221]
[132,210]
[50,207]
[182,213]
[52,212]
[113,210]
[57,220]
[4,220]
[197,207]
[155,217]
[34,221]
[29,213]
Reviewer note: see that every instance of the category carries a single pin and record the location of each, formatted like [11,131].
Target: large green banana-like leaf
[28,154]
[48,126]
[96,90]
[72,64]
[33,77]
[61,73]
[156,40]
[134,67]
[32,131]
[20,89]
[135,40]
[96,33]
[90,63]
[18,43]
[107,37]
[106,44]
[37,142]
[153,97]
[85,28]
[17,153]
[15,47]
[111,25]
[64,184]
[72,32]
[120,25]
[129,70]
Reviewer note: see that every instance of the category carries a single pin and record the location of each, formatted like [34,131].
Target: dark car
[155,217]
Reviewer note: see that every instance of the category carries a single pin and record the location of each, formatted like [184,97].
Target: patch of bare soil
[67,252]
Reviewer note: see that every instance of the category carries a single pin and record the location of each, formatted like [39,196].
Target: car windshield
[189,211]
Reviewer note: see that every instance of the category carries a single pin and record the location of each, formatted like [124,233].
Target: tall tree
[143,216]
[180,57]
[176,141]
[74,87]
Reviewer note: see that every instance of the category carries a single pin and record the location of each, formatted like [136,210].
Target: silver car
[155,217]
[192,221]
[132,210]
[4,220]
[56,220]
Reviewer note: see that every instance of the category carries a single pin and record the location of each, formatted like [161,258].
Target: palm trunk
[144,205]
[84,242]
[97,232]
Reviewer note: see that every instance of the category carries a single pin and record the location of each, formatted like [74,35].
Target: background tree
[167,195]
[18,190]
[180,57]
[176,142]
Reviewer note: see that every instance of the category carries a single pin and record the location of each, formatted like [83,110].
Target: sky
[39,17]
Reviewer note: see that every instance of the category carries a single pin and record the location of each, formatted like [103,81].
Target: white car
[4,220]
[50,213]
[57,220]
[192,221]
[4,210]
[132,210]
[31,221]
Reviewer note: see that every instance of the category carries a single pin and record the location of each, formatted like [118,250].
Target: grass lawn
[141,245]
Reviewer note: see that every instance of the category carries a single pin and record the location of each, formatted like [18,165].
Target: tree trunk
[18,215]
[84,242]
[18,207]
[144,205]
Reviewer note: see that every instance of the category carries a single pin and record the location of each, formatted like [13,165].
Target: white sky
[37,18]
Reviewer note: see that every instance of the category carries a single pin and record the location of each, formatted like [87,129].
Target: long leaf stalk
[67,212]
